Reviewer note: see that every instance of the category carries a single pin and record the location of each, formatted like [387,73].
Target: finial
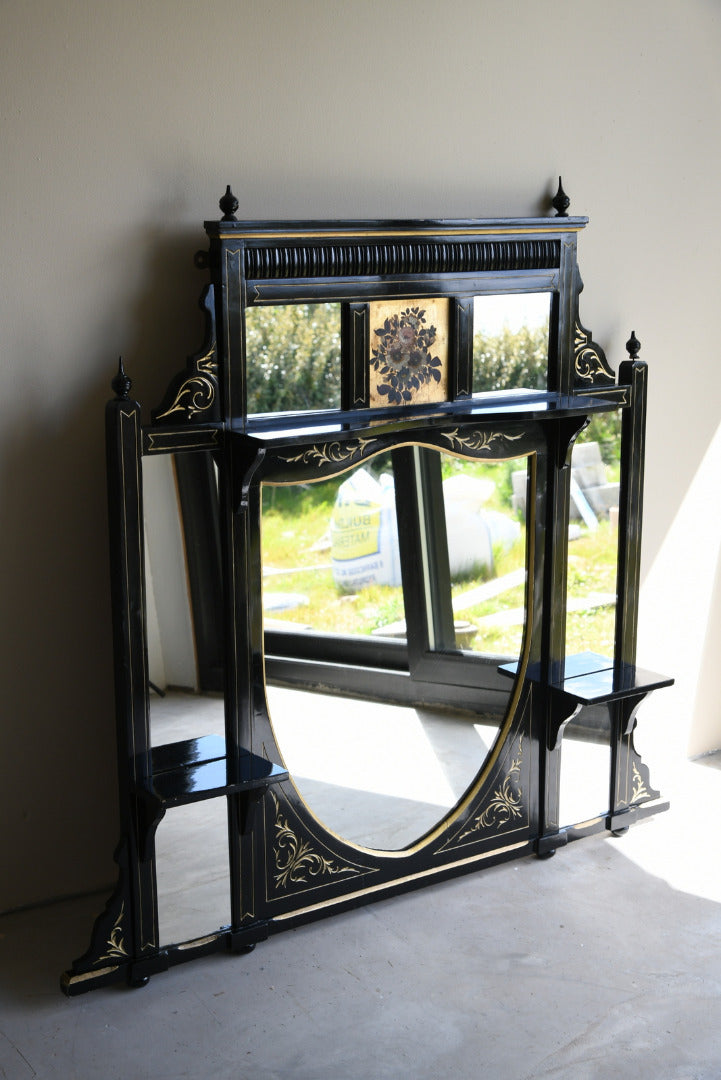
[560,201]
[228,204]
[633,346]
[121,383]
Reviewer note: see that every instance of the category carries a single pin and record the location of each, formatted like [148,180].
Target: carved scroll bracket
[193,394]
[589,360]
[562,710]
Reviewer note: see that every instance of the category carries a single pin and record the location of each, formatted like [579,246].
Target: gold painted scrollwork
[197,392]
[589,360]
[477,441]
[331,453]
[295,859]
[640,791]
[116,944]
[506,804]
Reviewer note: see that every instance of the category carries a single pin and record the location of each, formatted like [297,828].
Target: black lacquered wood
[196,769]
[285,866]
[591,679]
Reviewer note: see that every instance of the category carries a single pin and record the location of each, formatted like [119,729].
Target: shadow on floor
[582,967]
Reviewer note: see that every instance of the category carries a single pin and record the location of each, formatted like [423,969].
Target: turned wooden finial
[228,204]
[560,201]
[633,346]
[121,383]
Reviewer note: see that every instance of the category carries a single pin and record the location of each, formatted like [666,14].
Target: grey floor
[603,962]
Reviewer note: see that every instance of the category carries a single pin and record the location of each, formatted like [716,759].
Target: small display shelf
[592,679]
[195,769]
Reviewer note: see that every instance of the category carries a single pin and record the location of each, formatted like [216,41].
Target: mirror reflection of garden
[293,364]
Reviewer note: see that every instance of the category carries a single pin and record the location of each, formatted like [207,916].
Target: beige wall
[121,125]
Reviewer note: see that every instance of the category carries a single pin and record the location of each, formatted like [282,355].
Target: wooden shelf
[592,679]
[196,769]
[290,428]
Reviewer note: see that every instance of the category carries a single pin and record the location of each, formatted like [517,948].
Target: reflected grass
[297,560]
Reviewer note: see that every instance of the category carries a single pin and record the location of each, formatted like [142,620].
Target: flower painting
[408,352]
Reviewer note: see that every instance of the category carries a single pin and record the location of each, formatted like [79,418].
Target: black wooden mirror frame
[285,868]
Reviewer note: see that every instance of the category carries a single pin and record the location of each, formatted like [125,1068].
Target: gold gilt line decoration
[116,944]
[295,859]
[640,791]
[195,395]
[589,360]
[331,453]
[506,804]
[477,441]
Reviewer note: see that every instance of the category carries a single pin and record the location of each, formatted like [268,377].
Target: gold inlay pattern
[588,361]
[295,859]
[477,442]
[506,804]
[331,453]
[116,943]
[640,791]
[197,393]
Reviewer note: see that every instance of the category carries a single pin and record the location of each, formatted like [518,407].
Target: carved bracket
[628,709]
[567,431]
[248,456]
[150,812]
[561,710]
[590,365]
[194,394]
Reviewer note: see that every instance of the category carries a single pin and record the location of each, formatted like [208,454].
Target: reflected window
[510,342]
[333,560]
[293,358]
[330,554]
[486,529]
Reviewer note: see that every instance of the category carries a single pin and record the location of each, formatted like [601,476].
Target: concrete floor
[600,964]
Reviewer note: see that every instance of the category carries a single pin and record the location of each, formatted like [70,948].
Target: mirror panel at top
[293,358]
[511,341]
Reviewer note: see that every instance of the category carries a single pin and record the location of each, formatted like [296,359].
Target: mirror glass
[381,774]
[485,513]
[591,609]
[193,877]
[182,583]
[378,775]
[585,766]
[593,537]
[331,564]
[183,597]
[330,553]
[293,357]
[510,341]
[332,561]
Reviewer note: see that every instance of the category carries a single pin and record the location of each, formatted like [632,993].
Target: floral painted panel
[408,351]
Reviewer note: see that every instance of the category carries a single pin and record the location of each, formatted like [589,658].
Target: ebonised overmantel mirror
[345,662]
